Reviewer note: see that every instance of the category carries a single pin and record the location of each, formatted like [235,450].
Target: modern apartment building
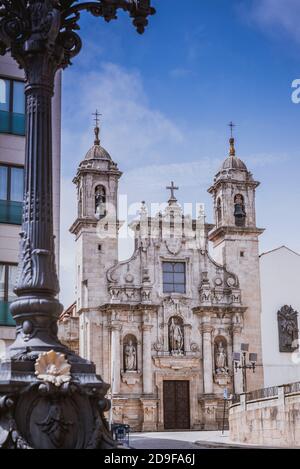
[12,155]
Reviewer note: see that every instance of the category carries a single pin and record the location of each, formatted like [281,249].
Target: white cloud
[282,15]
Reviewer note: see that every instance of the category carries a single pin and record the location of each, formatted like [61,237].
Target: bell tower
[96,226]
[235,240]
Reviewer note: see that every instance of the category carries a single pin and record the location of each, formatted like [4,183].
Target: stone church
[162,326]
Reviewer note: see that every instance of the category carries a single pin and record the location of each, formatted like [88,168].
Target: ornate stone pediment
[176,364]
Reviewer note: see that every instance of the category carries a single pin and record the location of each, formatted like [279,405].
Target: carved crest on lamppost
[52,367]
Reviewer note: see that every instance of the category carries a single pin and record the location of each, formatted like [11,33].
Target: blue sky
[167,97]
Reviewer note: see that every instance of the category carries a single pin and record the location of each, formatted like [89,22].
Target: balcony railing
[6,318]
[11,212]
[265,393]
[12,123]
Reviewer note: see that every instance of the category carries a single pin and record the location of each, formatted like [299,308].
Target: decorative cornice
[227,230]
[83,221]
[209,310]
[140,307]
[223,181]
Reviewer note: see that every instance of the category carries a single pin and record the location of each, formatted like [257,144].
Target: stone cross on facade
[172,188]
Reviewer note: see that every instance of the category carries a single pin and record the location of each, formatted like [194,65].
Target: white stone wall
[267,422]
[280,274]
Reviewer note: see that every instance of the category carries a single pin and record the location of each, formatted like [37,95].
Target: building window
[174,278]
[8,273]
[11,194]
[12,107]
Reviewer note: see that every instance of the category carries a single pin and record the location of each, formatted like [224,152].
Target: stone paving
[181,440]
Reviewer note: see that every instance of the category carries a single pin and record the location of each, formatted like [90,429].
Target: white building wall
[280,285]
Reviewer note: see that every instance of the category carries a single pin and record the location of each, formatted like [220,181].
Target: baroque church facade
[163,326]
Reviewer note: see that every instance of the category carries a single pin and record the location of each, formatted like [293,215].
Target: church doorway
[176,405]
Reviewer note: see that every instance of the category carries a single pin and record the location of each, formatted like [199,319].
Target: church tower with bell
[235,239]
[96,232]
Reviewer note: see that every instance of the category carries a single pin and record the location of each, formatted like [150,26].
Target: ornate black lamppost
[240,363]
[49,397]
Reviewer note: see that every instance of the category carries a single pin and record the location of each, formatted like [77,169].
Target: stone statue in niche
[288,329]
[221,357]
[130,356]
[176,336]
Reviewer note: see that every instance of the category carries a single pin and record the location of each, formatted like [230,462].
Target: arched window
[239,210]
[100,202]
[176,336]
[130,353]
[219,211]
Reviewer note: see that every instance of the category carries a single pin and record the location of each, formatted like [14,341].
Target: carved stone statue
[288,329]
[130,356]
[221,358]
[175,337]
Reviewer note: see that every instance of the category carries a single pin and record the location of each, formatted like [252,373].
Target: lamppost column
[147,368]
[207,358]
[36,309]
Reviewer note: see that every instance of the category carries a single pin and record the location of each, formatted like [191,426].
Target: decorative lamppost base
[42,402]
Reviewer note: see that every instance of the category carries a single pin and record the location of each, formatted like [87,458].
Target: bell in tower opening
[100,202]
[239,210]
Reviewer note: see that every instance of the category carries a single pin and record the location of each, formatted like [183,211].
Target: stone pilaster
[147,365]
[187,337]
[236,345]
[207,358]
[115,357]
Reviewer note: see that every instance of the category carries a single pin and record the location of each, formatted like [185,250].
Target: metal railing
[262,394]
[291,388]
[236,399]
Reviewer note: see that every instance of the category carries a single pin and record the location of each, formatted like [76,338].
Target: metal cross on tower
[232,126]
[97,128]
